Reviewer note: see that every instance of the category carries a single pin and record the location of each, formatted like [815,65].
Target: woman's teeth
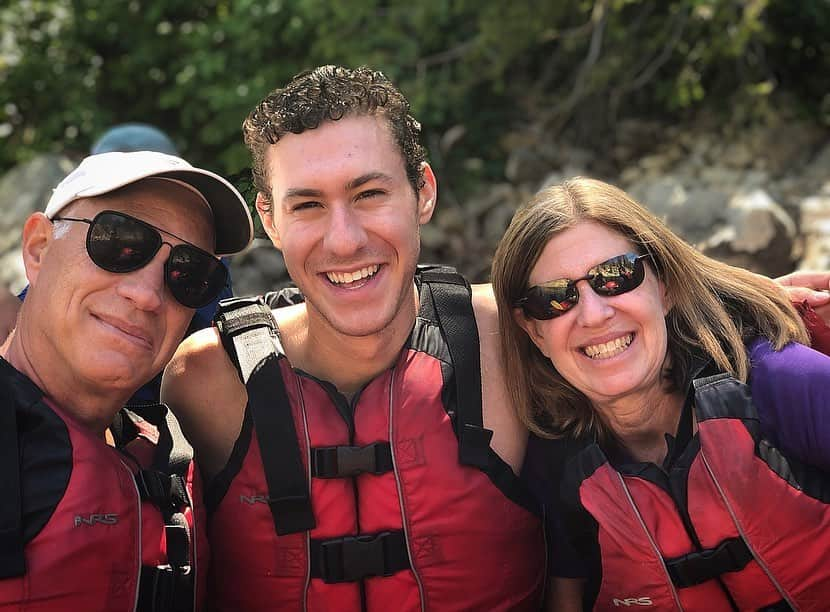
[609,349]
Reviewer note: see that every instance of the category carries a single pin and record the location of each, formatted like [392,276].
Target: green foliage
[472,69]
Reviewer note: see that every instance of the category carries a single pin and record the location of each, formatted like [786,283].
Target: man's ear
[531,328]
[37,236]
[427,195]
[265,210]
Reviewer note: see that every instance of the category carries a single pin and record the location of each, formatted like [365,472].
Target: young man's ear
[427,195]
[265,210]
[37,236]
[531,329]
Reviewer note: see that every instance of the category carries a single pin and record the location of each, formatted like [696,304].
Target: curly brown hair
[329,93]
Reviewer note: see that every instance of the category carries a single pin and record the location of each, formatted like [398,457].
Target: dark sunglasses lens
[194,276]
[550,300]
[617,275]
[120,244]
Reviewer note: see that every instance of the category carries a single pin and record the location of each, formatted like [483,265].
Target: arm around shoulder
[202,388]
[790,389]
[509,434]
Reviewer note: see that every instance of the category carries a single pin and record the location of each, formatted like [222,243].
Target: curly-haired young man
[411,506]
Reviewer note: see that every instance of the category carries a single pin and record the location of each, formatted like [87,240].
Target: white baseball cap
[105,172]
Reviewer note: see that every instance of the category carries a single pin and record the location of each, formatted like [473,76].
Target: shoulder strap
[722,396]
[12,560]
[452,299]
[249,335]
[163,483]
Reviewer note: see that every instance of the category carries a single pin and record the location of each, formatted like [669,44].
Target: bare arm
[509,435]
[203,390]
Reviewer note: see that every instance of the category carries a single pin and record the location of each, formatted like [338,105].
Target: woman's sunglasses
[615,276]
[120,243]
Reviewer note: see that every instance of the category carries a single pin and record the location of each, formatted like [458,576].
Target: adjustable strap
[12,561]
[167,492]
[454,309]
[348,461]
[163,484]
[353,558]
[164,589]
[248,333]
[730,555]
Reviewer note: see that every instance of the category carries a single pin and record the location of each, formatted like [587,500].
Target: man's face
[114,331]
[347,222]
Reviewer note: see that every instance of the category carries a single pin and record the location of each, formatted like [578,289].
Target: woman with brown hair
[681,439]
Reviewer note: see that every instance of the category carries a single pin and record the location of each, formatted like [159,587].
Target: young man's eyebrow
[365,178]
[307,192]
[302,192]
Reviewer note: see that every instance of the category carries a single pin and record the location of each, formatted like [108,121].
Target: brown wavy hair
[330,93]
[715,307]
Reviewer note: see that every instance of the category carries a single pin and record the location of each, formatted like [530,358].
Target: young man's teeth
[609,349]
[340,278]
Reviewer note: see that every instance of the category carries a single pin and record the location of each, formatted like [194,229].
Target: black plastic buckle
[355,557]
[165,491]
[349,461]
[178,546]
[698,567]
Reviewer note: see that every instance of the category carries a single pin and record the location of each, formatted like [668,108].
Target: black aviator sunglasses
[614,276]
[119,243]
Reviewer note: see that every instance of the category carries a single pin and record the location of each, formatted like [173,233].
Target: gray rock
[758,220]
[259,269]
[526,165]
[23,190]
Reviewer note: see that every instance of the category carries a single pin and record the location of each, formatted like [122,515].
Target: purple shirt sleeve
[790,389]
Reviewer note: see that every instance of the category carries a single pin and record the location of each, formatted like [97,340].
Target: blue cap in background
[128,137]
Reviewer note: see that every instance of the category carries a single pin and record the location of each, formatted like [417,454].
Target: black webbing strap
[348,461]
[249,331]
[12,560]
[453,306]
[731,555]
[353,558]
[163,589]
[166,588]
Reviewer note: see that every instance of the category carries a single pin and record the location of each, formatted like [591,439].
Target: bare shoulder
[202,388]
[484,304]
[509,435]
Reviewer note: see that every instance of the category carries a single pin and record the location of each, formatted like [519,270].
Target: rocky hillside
[756,197]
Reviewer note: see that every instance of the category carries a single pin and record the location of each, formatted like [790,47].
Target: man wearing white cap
[99,509]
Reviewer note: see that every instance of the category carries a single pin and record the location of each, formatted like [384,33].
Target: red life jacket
[734,525]
[394,520]
[85,526]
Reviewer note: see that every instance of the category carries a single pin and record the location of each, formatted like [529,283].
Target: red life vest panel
[383,514]
[733,525]
[94,527]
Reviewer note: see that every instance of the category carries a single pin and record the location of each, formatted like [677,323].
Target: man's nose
[145,286]
[346,234]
